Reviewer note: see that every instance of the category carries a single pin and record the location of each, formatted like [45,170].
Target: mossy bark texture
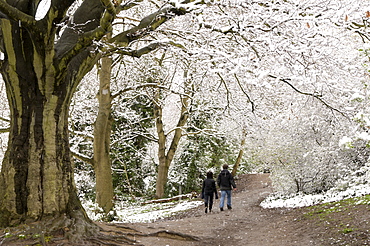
[36,179]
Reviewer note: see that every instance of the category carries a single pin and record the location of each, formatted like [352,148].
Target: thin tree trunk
[163,166]
[102,133]
[240,156]
[165,159]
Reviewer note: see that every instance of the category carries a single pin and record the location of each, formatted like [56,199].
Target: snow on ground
[135,212]
[303,200]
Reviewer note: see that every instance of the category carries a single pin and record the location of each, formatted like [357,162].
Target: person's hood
[225,172]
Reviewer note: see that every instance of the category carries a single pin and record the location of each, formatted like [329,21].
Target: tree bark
[36,179]
[240,156]
[165,157]
[102,132]
[162,159]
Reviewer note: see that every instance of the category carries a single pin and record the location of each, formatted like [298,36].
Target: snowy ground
[134,212]
[302,200]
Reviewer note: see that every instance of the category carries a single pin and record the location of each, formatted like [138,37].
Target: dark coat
[209,187]
[225,180]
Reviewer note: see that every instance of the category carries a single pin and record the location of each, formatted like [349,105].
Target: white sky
[42,9]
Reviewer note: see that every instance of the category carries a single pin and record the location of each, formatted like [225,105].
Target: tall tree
[102,134]
[166,155]
[44,61]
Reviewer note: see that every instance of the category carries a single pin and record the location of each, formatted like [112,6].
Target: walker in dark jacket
[226,183]
[208,189]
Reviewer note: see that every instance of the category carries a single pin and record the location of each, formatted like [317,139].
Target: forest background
[264,86]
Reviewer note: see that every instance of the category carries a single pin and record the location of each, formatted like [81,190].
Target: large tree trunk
[102,132]
[36,180]
[37,173]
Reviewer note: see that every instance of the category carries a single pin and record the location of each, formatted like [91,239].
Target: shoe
[206,210]
[229,207]
[221,209]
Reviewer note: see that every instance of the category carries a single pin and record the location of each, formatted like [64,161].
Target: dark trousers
[208,200]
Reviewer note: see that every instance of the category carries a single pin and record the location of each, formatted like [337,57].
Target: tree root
[173,235]
[61,231]
[133,233]
[77,231]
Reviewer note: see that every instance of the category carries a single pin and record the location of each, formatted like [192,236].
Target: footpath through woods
[245,224]
[343,223]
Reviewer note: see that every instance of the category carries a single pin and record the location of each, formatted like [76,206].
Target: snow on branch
[147,85]
[128,5]
[245,93]
[3,130]
[208,132]
[314,95]
[7,129]
[4,119]
[83,158]
[146,49]
[232,30]
[153,21]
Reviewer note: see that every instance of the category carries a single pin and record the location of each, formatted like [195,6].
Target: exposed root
[112,240]
[173,235]
[61,231]
[128,232]
[64,231]
[124,228]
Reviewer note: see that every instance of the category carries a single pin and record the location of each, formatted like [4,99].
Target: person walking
[226,183]
[208,189]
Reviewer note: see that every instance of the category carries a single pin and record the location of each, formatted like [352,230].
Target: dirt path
[245,224]
[340,224]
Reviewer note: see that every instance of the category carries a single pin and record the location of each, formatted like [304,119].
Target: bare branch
[137,134]
[245,93]
[227,89]
[128,5]
[57,11]
[96,23]
[4,130]
[233,32]
[83,158]
[196,131]
[92,21]
[4,119]
[144,50]
[7,129]
[314,95]
[150,23]
[147,85]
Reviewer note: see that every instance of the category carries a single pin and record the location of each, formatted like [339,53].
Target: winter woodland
[283,83]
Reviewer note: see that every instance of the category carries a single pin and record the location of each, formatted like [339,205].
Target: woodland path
[245,224]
